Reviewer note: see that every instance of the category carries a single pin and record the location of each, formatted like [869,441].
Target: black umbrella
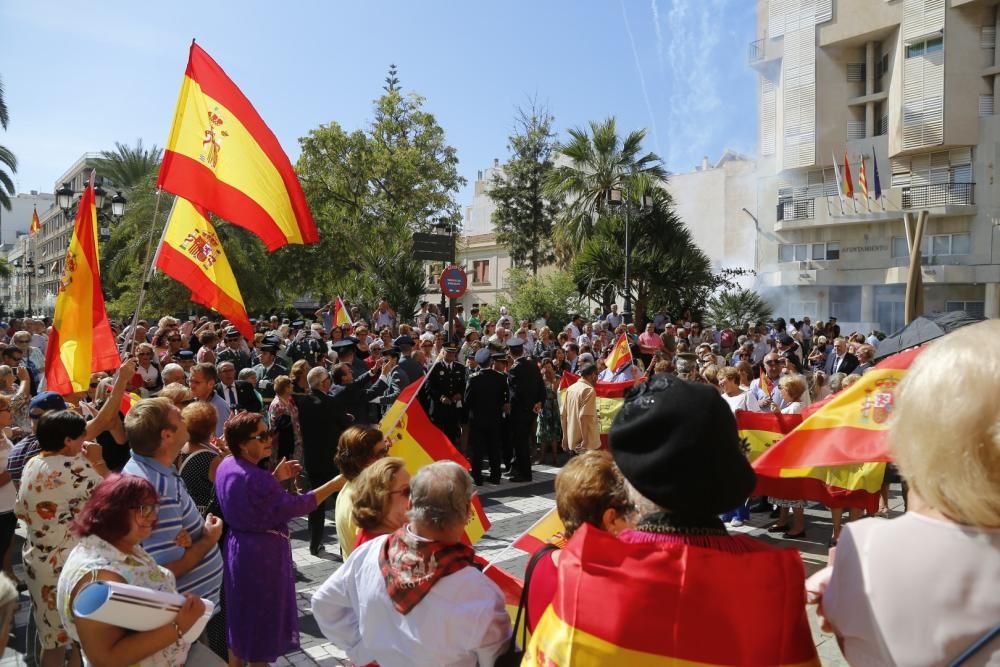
[925,328]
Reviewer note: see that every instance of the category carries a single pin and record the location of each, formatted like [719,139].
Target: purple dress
[261,615]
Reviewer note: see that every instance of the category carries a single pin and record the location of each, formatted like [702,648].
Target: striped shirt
[177,511]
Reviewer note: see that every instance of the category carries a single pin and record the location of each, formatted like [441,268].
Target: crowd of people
[192,488]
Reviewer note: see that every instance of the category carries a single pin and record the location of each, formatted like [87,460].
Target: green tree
[736,307]
[553,296]
[369,190]
[524,216]
[598,161]
[7,159]
[128,166]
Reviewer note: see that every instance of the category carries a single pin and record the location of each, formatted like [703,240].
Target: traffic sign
[434,247]
[454,282]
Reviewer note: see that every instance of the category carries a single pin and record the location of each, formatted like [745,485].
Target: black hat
[343,343]
[498,356]
[450,347]
[515,343]
[184,355]
[232,332]
[785,340]
[676,443]
[298,324]
[402,341]
[482,356]
[391,352]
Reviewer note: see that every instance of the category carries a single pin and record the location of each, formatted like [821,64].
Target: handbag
[515,654]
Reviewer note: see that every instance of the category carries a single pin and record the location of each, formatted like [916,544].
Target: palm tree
[128,166]
[736,307]
[599,161]
[6,158]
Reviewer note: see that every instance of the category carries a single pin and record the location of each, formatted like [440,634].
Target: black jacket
[485,397]
[526,386]
[849,363]
[321,423]
[445,383]
[246,396]
[355,398]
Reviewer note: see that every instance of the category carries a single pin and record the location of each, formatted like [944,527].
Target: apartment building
[906,86]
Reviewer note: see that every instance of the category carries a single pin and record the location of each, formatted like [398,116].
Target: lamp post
[26,270]
[446,227]
[756,237]
[618,198]
[66,195]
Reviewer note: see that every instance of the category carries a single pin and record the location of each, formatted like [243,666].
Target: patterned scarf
[411,566]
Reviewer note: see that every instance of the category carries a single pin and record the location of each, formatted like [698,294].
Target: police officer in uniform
[234,351]
[527,392]
[269,368]
[487,400]
[397,379]
[413,370]
[446,385]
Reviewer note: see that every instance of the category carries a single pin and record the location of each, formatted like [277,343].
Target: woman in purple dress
[257,554]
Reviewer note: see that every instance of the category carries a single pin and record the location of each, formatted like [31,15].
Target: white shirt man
[614,318]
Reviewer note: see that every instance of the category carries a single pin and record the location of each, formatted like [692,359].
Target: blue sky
[79,77]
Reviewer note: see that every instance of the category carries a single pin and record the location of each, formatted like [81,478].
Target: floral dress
[275,411]
[53,489]
[138,568]
[549,424]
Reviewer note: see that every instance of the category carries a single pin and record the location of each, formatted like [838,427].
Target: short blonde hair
[282,385]
[795,385]
[177,393]
[951,457]
[371,489]
[588,485]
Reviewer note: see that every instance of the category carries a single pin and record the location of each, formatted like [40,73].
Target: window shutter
[768,109]
[921,18]
[799,98]
[923,100]
[856,72]
[987,36]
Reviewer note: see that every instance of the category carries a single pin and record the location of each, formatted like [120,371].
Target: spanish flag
[621,355]
[416,440]
[837,455]
[848,183]
[340,315]
[646,605]
[509,585]
[610,399]
[192,254]
[762,430]
[221,156]
[81,341]
[36,224]
[547,530]
[765,382]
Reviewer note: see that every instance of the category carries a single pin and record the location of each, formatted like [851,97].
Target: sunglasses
[145,511]
[263,437]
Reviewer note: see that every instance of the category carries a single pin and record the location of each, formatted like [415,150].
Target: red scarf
[411,566]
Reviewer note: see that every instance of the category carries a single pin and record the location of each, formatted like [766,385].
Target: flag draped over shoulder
[416,440]
[547,530]
[81,342]
[671,604]
[837,455]
[220,155]
[340,315]
[621,355]
[610,399]
[192,254]
[36,224]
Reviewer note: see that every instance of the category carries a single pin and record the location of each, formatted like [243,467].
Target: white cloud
[642,79]
[659,33]
[695,31]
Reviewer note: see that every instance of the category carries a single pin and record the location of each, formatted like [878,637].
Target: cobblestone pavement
[512,509]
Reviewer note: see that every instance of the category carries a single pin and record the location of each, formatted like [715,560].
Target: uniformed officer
[446,385]
[527,392]
[414,371]
[269,368]
[234,351]
[487,400]
[397,380]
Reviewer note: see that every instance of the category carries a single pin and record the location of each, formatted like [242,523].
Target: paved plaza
[512,509]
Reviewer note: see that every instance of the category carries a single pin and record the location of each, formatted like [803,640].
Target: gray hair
[246,373]
[440,494]
[316,376]
[170,370]
[5,370]
[683,367]
[836,382]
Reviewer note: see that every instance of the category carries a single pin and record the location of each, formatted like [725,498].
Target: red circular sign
[454,282]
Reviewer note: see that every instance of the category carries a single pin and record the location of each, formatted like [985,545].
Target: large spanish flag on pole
[192,254]
[646,605]
[81,342]
[416,440]
[220,155]
[340,315]
[621,355]
[610,399]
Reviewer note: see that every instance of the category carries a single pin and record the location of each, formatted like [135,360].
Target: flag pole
[392,429]
[829,211]
[146,273]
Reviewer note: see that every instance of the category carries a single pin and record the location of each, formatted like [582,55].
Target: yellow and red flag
[848,183]
[340,315]
[509,585]
[220,155]
[191,253]
[837,455]
[36,224]
[863,178]
[610,399]
[81,342]
[129,399]
[547,530]
[416,440]
[673,604]
[762,430]
[765,382]
[621,355]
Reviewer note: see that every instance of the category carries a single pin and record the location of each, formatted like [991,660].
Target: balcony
[756,51]
[796,209]
[937,194]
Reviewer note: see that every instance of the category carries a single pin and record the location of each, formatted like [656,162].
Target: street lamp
[616,197]
[64,197]
[28,272]
[118,204]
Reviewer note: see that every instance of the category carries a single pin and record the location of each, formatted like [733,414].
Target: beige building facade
[902,86]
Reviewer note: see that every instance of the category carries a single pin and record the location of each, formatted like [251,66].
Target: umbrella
[925,328]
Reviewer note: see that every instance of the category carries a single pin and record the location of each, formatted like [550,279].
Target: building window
[974,308]
[935,244]
[924,47]
[801,252]
[480,271]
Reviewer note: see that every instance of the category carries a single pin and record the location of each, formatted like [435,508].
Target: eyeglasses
[93,385]
[145,511]
[405,492]
[263,437]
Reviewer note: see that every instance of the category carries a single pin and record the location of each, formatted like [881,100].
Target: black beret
[676,442]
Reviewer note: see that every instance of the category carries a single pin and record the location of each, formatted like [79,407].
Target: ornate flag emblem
[211,144]
[878,401]
[203,247]
[67,275]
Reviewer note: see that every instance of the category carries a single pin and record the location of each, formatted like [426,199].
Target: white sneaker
[736,523]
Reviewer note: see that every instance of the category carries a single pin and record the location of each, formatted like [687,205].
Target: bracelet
[180,634]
